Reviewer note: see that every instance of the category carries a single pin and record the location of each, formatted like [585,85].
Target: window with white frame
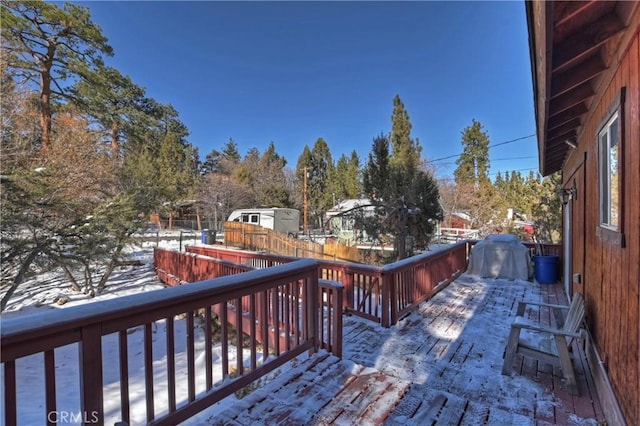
[609,142]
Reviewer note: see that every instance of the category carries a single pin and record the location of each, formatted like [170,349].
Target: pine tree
[547,212]
[317,163]
[405,194]
[473,163]
[114,101]
[346,182]
[49,45]
[406,151]
[230,151]
[377,173]
[478,197]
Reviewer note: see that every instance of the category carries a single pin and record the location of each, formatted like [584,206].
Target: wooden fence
[254,237]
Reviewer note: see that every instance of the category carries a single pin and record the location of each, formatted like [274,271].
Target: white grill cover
[500,256]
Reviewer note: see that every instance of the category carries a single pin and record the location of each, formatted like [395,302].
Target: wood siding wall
[610,272]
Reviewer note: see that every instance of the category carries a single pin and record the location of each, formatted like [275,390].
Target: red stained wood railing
[381,294]
[157,313]
[295,306]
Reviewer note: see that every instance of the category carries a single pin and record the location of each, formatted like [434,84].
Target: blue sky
[291,72]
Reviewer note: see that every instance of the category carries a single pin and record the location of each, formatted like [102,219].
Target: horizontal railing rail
[416,279]
[176,268]
[380,294]
[249,322]
[245,257]
[112,328]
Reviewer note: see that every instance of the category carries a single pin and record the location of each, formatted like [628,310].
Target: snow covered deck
[439,365]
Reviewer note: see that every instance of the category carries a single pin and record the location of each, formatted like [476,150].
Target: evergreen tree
[377,173]
[547,212]
[477,195]
[473,163]
[346,182]
[318,166]
[114,101]
[406,150]
[76,212]
[274,191]
[499,182]
[230,151]
[211,163]
[49,46]
[224,161]
[405,194]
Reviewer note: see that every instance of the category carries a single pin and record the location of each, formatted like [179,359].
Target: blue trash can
[205,236]
[546,269]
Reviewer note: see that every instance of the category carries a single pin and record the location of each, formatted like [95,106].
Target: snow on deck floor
[440,365]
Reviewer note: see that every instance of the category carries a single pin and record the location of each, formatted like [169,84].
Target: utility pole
[305,200]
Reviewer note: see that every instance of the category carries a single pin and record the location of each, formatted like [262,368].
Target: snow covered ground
[375,348]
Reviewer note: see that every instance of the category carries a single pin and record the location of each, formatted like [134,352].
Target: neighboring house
[341,219]
[585,64]
[456,220]
[455,226]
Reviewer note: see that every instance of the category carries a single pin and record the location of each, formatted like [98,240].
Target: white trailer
[283,220]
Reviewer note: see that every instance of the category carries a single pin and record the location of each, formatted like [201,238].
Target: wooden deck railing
[286,299]
[176,268]
[251,258]
[301,299]
[381,294]
[416,279]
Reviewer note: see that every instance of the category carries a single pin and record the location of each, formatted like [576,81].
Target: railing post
[349,288]
[90,357]
[337,318]
[312,314]
[388,300]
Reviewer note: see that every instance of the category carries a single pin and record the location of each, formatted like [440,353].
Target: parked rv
[283,220]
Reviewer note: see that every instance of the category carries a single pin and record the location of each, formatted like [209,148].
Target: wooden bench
[544,342]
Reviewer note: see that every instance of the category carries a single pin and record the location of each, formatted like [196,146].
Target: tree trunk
[45,98]
[45,120]
[74,284]
[115,142]
[19,276]
[112,265]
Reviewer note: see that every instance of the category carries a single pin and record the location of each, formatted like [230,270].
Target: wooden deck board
[440,366]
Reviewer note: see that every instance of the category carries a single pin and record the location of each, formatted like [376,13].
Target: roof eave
[540,28]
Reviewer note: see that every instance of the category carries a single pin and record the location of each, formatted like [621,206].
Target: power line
[449,179]
[513,158]
[495,159]
[490,146]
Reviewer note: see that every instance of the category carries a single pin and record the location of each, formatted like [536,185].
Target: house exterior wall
[610,270]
